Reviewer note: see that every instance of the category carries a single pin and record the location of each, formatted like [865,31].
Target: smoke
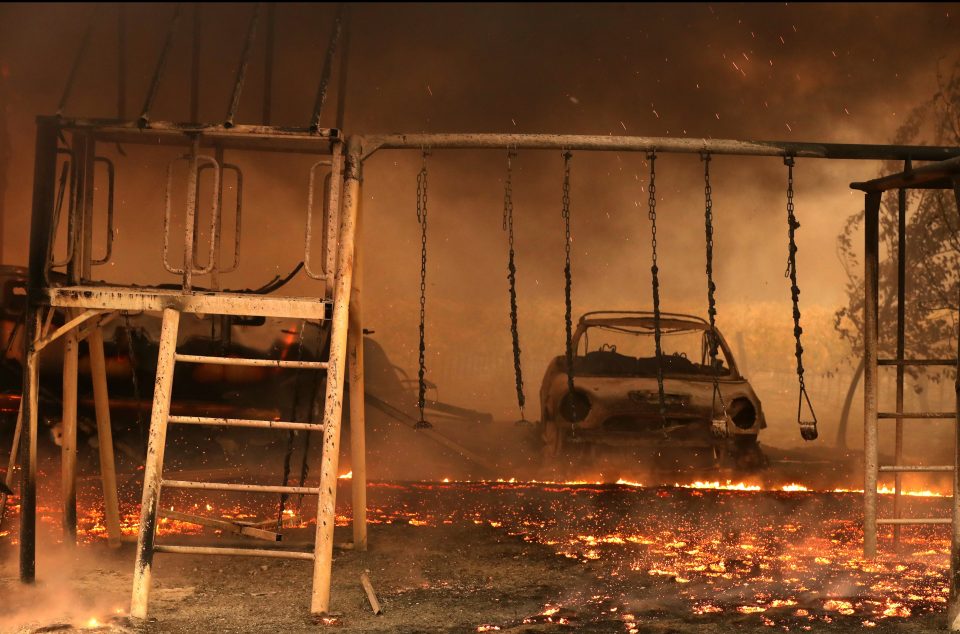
[791,72]
[73,590]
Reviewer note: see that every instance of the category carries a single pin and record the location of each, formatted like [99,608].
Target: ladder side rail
[153,469]
[333,403]
[870,344]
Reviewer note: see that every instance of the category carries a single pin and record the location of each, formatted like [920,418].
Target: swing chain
[718,425]
[655,271]
[808,429]
[566,270]
[512,278]
[422,220]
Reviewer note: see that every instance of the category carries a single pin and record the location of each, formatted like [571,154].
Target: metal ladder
[168,357]
[342,309]
[899,416]
[872,363]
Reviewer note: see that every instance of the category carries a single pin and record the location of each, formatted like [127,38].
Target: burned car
[614,414]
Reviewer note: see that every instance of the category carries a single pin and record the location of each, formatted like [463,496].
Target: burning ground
[527,556]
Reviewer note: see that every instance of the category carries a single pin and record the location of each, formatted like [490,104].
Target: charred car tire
[745,453]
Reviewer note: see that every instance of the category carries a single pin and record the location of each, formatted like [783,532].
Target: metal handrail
[191,214]
[58,209]
[308,240]
[111,173]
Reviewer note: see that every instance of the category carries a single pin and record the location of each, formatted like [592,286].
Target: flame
[782,557]
[346,476]
[729,486]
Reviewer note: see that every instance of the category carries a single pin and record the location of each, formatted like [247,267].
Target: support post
[28,450]
[358,444]
[901,329]
[121,61]
[11,462]
[101,402]
[197,31]
[153,469]
[953,606]
[268,65]
[870,343]
[44,185]
[333,405]
[68,440]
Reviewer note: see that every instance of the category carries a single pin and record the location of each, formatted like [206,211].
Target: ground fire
[797,564]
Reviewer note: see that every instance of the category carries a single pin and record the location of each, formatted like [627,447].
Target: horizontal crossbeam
[231,552]
[438,141]
[245,422]
[916,468]
[938,362]
[263,363]
[199,302]
[245,488]
[933,415]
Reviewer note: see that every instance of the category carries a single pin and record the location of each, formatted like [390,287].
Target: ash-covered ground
[513,556]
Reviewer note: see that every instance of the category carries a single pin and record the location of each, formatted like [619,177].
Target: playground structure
[66,146]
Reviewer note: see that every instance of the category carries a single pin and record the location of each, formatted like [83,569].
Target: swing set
[88,303]
[575,406]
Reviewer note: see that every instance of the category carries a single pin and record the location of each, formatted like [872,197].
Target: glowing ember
[729,486]
[772,553]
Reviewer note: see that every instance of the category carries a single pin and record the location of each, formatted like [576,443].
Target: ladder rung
[938,415]
[916,520]
[244,422]
[915,468]
[248,488]
[944,362]
[236,552]
[266,363]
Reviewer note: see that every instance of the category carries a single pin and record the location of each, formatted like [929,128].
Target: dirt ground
[442,579]
[474,557]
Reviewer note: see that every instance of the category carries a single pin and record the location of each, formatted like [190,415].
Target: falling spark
[430,92]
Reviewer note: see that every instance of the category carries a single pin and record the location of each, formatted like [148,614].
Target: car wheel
[745,453]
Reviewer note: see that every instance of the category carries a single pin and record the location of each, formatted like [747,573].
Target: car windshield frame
[642,325]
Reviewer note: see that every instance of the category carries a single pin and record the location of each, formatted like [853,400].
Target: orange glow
[728,486]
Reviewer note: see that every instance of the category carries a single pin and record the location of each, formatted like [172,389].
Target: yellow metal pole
[101,402]
[333,404]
